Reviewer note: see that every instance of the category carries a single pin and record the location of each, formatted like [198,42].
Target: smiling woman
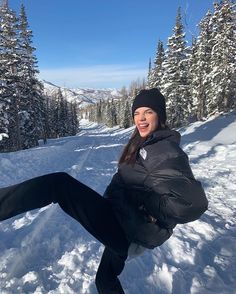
[149,119]
[146,120]
[153,190]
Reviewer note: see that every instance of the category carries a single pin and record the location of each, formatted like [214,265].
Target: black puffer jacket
[160,184]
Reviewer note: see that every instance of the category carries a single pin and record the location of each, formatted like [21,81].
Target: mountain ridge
[82,96]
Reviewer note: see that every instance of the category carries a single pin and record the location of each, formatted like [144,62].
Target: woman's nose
[142,117]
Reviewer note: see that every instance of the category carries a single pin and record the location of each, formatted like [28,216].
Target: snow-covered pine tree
[21,92]
[175,84]
[222,96]
[157,71]
[67,119]
[108,119]
[91,113]
[31,90]
[74,125]
[3,102]
[53,116]
[55,110]
[150,74]
[199,68]
[127,116]
[118,107]
[47,115]
[9,63]
[123,115]
[111,120]
[71,123]
[61,114]
[108,116]
[99,111]
[102,111]
[3,121]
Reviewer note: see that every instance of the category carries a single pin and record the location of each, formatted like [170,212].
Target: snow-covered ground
[46,251]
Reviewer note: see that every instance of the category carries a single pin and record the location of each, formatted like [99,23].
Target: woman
[153,190]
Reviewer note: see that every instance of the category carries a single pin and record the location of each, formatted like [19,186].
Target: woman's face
[146,120]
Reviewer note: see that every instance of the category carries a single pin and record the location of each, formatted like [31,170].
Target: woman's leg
[110,267]
[93,211]
[28,195]
[85,205]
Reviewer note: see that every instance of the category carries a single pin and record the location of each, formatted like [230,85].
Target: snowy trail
[45,251]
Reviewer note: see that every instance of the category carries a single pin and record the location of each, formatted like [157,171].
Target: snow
[46,251]
[3,135]
[83,96]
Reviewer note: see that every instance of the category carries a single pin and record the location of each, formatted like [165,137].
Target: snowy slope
[45,251]
[83,96]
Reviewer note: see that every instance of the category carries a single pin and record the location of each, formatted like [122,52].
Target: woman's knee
[57,183]
[55,178]
[61,179]
[60,175]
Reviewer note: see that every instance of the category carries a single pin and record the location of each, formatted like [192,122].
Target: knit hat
[151,98]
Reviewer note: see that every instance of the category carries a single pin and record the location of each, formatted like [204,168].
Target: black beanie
[151,98]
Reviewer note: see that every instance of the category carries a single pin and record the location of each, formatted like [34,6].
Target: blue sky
[105,43]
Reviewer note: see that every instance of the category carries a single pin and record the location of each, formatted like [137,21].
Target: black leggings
[93,211]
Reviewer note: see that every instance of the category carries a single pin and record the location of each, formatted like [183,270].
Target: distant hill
[83,96]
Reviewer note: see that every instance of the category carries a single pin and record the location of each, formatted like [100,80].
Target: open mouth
[143,127]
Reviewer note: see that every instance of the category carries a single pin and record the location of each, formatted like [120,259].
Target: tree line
[26,113]
[197,81]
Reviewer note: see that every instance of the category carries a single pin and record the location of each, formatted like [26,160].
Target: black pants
[85,205]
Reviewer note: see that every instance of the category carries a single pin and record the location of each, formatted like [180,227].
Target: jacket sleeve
[174,194]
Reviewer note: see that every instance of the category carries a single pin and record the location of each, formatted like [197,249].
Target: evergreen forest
[198,80]
[26,113]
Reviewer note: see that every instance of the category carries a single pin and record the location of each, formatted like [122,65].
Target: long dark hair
[131,149]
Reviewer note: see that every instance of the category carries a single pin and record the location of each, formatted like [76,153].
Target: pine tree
[31,89]
[74,119]
[3,123]
[21,92]
[158,70]
[60,114]
[150,74]
[46,132]
[3,103]
[9,63]
[175,79]
[111,117]
[122,106]
[127,121]
[114,113]
[99,111]
[223,70]
[52,112]
[200,68]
